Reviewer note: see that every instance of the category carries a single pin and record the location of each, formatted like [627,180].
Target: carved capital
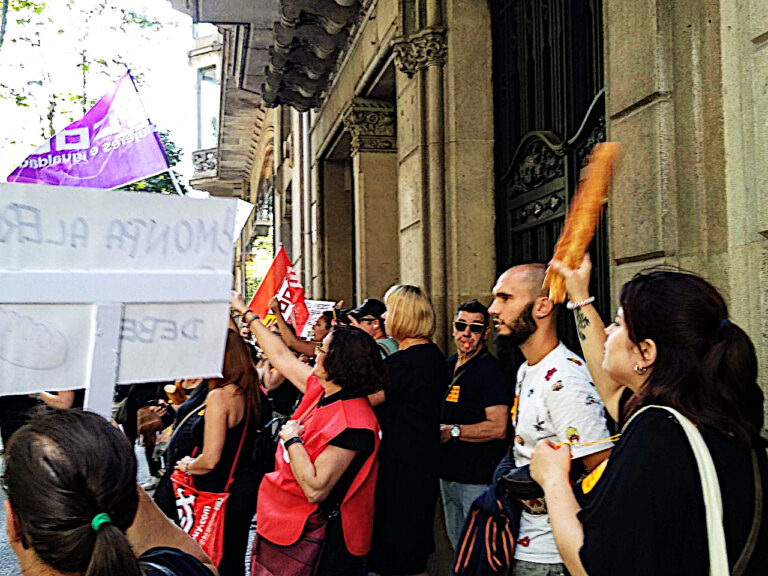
[421,50]
[371,124]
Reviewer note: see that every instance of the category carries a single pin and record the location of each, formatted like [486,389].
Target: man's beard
[521,328]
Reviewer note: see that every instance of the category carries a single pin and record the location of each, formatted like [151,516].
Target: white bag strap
[713,504]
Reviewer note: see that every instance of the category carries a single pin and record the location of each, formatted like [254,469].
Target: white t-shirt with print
[555,400]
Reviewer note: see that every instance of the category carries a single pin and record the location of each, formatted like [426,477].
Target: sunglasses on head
[474,327]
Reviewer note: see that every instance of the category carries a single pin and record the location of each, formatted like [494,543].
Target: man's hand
[445,433]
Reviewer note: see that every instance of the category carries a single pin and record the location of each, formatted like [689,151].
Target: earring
[640,370]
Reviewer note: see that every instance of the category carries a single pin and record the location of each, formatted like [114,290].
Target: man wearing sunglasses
[473,417]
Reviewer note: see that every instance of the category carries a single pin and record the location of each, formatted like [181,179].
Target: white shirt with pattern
[555,400]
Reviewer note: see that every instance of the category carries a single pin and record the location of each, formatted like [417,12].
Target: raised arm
[279,355]
[294,342]
[591,331]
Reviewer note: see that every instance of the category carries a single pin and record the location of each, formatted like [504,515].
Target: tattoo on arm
[581,323]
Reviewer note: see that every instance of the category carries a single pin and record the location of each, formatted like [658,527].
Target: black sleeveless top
[216,479]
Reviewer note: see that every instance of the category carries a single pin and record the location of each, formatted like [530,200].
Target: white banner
[68,256]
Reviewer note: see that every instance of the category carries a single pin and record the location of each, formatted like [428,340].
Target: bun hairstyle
[706,366]
[62,470]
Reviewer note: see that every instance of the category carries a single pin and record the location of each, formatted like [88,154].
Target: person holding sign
[683,490]
[74,508]
[320,496]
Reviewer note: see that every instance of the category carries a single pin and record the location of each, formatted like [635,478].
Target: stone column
[420,58]
[371,125]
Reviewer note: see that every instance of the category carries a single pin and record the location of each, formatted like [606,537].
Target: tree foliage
[162,183]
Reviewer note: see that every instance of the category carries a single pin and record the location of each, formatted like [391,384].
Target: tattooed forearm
[581,323]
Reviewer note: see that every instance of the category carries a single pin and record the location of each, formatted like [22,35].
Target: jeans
[522,568]
[457,499]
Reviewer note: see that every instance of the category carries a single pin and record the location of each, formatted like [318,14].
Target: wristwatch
[455,432]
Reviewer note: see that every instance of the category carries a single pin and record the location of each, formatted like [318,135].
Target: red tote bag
[201,514]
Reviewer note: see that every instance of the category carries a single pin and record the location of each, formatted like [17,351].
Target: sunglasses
[474,327]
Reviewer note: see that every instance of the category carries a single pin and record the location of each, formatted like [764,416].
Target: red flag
[281,281]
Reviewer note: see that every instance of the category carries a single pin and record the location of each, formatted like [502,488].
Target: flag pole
[175,182]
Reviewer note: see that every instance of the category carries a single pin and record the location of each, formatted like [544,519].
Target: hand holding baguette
[584,214]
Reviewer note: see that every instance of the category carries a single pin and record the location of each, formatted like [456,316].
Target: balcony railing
[205,163]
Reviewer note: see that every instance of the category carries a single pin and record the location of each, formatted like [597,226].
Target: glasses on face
[474,327]
[320,350]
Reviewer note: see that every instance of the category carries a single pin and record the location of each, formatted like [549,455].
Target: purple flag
[112,145]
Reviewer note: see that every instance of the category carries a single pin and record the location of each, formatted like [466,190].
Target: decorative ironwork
[205,163]
[548,114]
[417,52]
[539,166]
[596,135]
[539,210]
[371,124]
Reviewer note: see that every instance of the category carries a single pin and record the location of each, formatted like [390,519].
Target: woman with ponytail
[681,379]
[70,478]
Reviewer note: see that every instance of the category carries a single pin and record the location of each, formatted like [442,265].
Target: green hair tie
[100,519]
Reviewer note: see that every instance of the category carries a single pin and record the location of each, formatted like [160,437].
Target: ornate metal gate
[549,109]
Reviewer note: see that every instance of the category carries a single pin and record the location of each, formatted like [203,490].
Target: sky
[48,62]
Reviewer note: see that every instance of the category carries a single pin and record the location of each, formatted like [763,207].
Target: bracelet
[253,316]
[580,304]
[291,441]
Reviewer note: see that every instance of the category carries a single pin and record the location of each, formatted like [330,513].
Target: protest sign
[315,309]
[281,282]
[87,276]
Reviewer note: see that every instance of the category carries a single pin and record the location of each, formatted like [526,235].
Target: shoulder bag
[201,514]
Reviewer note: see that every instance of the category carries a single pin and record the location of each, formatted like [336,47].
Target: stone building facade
[433,142]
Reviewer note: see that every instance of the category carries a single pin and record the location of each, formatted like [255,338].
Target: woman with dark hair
[74,507]
[671,346]
[406,495]
[213,438]
[325,469]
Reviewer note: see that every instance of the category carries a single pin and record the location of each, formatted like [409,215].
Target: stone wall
[687,94]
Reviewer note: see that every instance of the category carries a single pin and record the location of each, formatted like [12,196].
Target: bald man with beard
[554,400]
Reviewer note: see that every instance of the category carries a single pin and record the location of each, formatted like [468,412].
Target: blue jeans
[457,499]
[522,568]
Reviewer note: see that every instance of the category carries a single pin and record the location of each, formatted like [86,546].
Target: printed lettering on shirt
[550,372]
[453,394]
[591,400]
[572,434]
[575,361]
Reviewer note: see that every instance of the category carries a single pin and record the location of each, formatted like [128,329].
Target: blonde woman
[409,414]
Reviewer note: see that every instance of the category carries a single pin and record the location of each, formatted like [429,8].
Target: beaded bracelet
[580,304]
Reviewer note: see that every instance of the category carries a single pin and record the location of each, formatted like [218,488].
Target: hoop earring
[640,370]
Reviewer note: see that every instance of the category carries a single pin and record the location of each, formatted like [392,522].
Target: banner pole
[175,183]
